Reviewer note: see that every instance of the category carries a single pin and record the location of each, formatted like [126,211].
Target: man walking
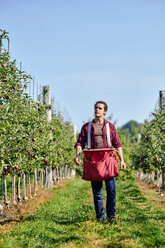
[99,140]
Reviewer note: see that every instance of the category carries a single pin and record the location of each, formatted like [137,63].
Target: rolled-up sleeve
[82,137]
[115,137]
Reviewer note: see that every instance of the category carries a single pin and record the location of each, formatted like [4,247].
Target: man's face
[99,110]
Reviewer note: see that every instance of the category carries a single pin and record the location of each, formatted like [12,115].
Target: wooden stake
[47,101]
[162,99]
[8,44]
[33,87]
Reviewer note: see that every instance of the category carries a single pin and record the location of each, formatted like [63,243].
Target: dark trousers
[98,199]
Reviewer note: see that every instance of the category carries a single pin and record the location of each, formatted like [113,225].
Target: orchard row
[149,153]
[27,139]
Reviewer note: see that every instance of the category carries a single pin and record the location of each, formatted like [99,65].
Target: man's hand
[78,152]
[78,160]
[120,155]
[122,165]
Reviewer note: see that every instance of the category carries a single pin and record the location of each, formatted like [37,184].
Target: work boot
[111,219]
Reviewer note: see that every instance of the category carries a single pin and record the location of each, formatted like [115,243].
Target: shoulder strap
[89,135]
[108,135]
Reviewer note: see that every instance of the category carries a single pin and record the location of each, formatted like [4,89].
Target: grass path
[68,220]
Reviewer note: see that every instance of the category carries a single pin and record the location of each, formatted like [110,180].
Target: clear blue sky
[87,50]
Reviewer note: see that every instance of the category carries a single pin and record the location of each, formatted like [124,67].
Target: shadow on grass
[62,220]
[115,245]
[57,241]
[48,237]
[55,230]
[5,221]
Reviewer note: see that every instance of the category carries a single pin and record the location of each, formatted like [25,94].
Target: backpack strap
[108,135]
[107,132]
[89,135]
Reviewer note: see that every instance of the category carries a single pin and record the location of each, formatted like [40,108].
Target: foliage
[127,146]
[27,140]
[149,154]
[131,129]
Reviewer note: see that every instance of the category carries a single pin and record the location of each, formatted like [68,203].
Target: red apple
[8,169]
[6,173]
[46,162]
[6,79]
[30,154]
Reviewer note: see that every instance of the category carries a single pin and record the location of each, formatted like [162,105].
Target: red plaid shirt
[113,133]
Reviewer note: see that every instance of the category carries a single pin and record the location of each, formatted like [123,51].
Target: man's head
[104,103]
[100,108]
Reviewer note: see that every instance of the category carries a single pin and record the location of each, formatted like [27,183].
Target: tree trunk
[57,174]
[42,178]
[54,175]
[35,182]
[49,181]
[30,189]
[2,195]
[24,187]
[13,189]
[18,188]
[5,193]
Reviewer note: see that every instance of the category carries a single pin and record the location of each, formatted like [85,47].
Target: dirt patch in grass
[94,240]
[17,213]
[128,243]
[152,193]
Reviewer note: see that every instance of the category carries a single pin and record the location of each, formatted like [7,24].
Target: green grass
[68,220]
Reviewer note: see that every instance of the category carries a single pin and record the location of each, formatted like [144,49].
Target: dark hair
[104,103]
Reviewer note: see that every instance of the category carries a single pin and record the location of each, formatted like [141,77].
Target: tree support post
[47,102]
[162,99]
